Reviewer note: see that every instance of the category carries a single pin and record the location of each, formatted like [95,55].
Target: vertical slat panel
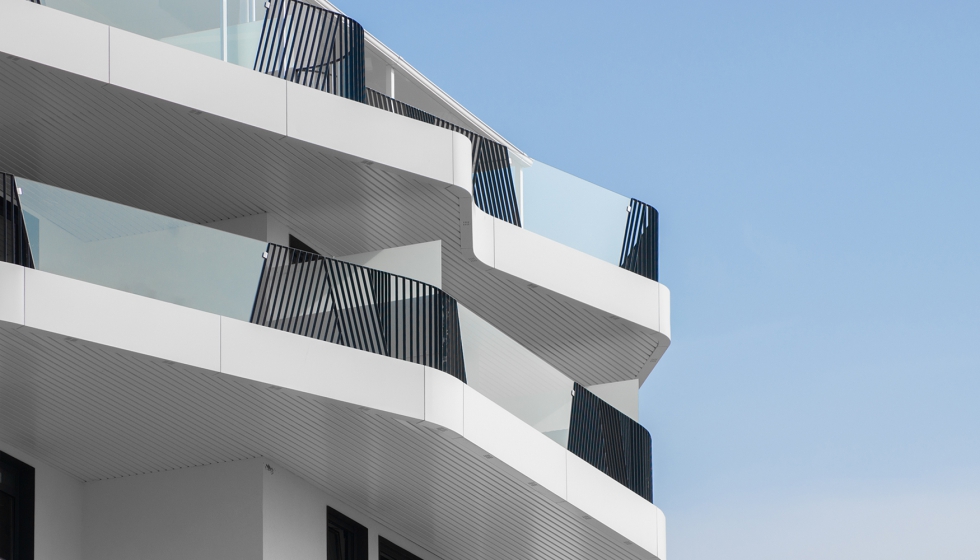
[611,442]
[309,45]
[16,244]
[493,182]
[641,240]
[371,310]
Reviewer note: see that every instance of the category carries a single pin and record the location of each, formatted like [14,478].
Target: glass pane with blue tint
[574,212]
[119,247]
[512,376]
[191,24]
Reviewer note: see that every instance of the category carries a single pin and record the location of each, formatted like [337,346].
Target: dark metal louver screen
[639,252]
[336,301]
[493,183]
[16,246]
[611,442]
[314,47]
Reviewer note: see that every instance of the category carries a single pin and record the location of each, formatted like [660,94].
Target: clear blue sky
[817,170]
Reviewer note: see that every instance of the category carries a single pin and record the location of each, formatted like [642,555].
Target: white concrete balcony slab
[102,384]
[115,115]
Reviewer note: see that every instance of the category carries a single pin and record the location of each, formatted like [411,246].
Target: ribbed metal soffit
[98,413]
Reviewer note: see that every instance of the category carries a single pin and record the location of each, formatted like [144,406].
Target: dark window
[346,539]
[6,526]
[390,551]
[16,509]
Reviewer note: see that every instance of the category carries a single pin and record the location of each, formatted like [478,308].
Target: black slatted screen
[639,252]
[314,47]
[493,182]
[611,442]
[336,301]
[16,247]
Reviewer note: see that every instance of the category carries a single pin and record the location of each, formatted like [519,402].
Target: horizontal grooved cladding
[611,441]
[360,307]
[640,243]
[493,182]
[16,248]
[98,413]
[314,47]
[104,141]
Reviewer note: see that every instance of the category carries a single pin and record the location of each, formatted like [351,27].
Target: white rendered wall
[57,509]
[422,261]
[294,520]
[294,517]
[212,512]
[262,227]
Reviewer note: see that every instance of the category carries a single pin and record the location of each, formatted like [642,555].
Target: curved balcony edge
[74,314]
[146,69]
[538,262]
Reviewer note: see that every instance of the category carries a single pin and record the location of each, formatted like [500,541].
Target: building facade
[268,292]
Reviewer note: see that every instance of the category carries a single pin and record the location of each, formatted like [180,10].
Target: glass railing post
[224,30]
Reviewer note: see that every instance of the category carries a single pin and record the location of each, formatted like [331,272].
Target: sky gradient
[816,167]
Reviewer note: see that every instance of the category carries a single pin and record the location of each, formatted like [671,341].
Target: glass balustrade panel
[135,251]
[513,377]
[223,29]
[574,212]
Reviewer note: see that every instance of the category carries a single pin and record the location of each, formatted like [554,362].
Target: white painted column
[390,82]
[518,167]
[373,553]
[224,30]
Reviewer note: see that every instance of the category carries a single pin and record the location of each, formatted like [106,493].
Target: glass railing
[574,212]
[568,413]
[195,266]
[119,247]
[224,29]
[548,201]
[515,378]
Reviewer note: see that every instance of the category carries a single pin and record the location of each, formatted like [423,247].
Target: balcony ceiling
[82,134]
